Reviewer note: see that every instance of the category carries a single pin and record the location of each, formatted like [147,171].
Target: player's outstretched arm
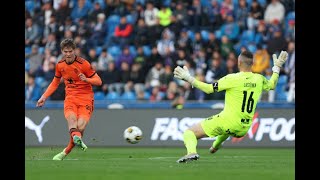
[51,88]
[183,74]
[277,64]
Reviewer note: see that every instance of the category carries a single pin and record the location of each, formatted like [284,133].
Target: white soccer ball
[132,134]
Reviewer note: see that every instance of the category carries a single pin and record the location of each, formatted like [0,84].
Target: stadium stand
[219,28]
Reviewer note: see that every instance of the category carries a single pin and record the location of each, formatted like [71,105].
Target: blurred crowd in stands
[135,44]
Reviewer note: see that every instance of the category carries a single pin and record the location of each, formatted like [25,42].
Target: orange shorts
[82,108]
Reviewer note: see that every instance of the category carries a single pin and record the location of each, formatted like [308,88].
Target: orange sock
[74,131]
[70,146]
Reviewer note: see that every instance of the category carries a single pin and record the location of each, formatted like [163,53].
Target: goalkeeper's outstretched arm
[183,74]
[277,64]
[205,87]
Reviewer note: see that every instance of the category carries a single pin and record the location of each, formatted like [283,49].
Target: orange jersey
[69,72]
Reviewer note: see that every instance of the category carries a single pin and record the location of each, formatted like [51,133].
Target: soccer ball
[132,134]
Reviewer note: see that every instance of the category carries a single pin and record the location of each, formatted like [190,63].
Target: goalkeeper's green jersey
[243,90]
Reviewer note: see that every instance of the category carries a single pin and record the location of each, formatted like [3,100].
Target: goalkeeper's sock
[190,141]
[219,140]
[75,131]
[70,146]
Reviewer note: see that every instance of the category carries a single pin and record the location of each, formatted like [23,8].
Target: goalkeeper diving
[243,90]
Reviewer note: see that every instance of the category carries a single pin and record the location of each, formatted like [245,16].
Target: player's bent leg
[60,156]
[190,139]
[70,146]
[81,124]
[71,119]
[76,137]
[217,143]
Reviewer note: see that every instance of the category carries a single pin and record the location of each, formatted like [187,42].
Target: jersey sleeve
[57,73]
[87,70]
[271,83]
[224,83]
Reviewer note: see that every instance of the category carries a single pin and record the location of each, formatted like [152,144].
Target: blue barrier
[122,104]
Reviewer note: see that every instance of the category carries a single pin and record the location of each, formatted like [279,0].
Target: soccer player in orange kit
[78,77]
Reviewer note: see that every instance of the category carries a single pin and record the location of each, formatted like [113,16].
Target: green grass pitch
[155,163]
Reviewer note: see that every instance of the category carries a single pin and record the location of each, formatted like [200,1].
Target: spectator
[166,78]
[276,43]
[50,28]
[226,46]
[256,14]
[290,31]
[80,10]
[83,29]
[141,34]
[150,14]
[215,72]
[52,44]
[123,33]
[262,36]
[152,59]
[151,20]
[181,59]
[241,14]
[63,11]
[111,78]
[166,43]
[213,44]
[232,66]
[227,9]
[93,13]
[184,42]
[125,70]
[200,61]
[110,7]
[274,11]
[156,94]
[35,59]
[230,28]
[31,33]
[261,61]
[32,90]
[140,58]
[199,95]
[291,71]
[68,27]
[153,76]
[289,68]
[136,77]
[164,16]
[103,60]
[180,15]
[214,16]
[99,31]
[126,56]
[92,56]
[197,44]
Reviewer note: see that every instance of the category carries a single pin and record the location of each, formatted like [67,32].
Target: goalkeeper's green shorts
[216,125]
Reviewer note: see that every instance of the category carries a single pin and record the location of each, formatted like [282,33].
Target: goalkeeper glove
[183,74]
[278,62]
